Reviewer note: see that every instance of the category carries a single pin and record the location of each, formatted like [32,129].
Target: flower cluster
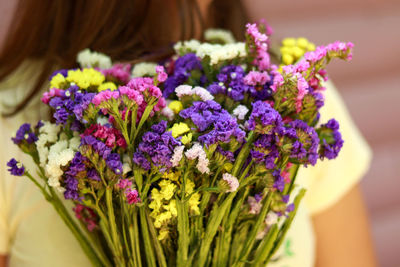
[185,153]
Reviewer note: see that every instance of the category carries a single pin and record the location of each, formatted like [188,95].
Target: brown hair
[128,30]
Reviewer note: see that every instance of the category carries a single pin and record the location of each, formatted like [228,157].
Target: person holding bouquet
[331,227]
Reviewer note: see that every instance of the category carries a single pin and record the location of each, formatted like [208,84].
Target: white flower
[232,182]
[65,156]
[126,167]
[202,164]
[203,93]
[177,156]
[74,143]
[219,35]
[255,207]
[240,112]
[194,151]
[271,218]
[182,90]
[185,47]
[197,151]
[102,120]
[89,59]
[144,69]
[167,112]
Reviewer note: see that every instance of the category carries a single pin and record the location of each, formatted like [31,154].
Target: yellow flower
[194,202]
[162,218]
[287,59]
[57,81]
[179,129]
[162,234]
[187,138]
[173,176]
[85,78]
[107,85]
[302,42]
[289,42]
[172,208]
[167,189]
[176,106]
[311,47]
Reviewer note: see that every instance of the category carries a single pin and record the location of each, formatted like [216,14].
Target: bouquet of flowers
[191,162]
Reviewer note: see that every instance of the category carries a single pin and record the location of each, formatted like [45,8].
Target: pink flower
[124,183]
[302,87]
[161,75]
[50,94]
[257,78]
[277,81]
[119,71]
[132,196]
[258,47]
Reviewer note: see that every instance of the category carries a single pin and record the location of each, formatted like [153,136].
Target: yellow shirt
[33,235]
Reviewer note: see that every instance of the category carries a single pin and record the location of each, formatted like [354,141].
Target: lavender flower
[24,133]
[113,161]
[183,70]
[302,141]
[331,140]
[230,82]
[158,145]
[264,119]
[16,168]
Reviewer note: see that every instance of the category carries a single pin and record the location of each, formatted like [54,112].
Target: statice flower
[24,133]
[303,140]
[183,68]
[119,72]
[229,182]
[230,82]
[112,137]
[240,112]
[16,168]
[202,113]
[279,180]
[258,46]
[263,118]
[265,150]
[132,196]
[113,161]
[87,215]
[225,127]
[197,152]
[331,140]
[158,145]
[177,156]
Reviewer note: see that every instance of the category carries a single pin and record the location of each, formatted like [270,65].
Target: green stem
[265,246]
[148,248]
[113,228]
[183,232]
[248,246]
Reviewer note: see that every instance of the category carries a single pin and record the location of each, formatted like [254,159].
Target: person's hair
[126,30]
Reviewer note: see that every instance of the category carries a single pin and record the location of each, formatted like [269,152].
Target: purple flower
[63,72]
[331,140]
[71,188]
[24,133]
[265,150]
[202,113]
[113,161]
[140,159]
[158,145]
[93,175]
[263,118]
[230,82]
[97,145]
[61,116]
[183,70]
[303,140]
[225,127]
[16,168]
[279,180]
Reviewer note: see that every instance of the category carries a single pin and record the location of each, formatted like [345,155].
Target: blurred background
[370,86]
